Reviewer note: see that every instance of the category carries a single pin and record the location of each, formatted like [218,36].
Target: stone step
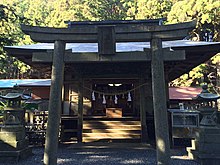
[130,130]
[106,139]
[111,135]
[94,130]
[131,127]
[93,122]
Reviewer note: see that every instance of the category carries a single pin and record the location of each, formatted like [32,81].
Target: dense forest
[53,13]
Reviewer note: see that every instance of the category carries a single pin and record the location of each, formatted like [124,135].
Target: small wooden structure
[38,88]
[184,95]
[146,65]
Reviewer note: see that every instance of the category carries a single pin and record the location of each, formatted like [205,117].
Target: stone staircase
[111,130]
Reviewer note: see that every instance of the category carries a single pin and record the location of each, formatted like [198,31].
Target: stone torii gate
[106,36]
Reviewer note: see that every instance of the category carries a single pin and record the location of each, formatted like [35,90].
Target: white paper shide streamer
[129,97]
[103,99]
[116,99]
[93,96]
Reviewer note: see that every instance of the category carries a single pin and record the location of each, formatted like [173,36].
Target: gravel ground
[70,156]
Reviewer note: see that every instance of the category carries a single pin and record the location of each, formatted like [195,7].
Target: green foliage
[10,35]
[152,9]
[62,10]
[8,32]
[194,78]
[2,105]
[206,12]
[108,10]
[12,14]
[53,13]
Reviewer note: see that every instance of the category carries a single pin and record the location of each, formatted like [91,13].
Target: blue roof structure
[10,83]
[120,47]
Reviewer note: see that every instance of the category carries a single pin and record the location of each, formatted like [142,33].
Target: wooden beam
[106,40]
[116,22]
[136,56]
[125,33]
[146,36]
[108,70]
[111,76]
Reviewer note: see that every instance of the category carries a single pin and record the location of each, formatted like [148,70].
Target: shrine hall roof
[183,93]
[120,47]
[195,54]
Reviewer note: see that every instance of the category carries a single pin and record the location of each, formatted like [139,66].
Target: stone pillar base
[206,146]
[6,156]
[13,144]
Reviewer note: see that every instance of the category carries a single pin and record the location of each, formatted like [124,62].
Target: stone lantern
[206,145]
[13,113]
[207,107]
[13,141]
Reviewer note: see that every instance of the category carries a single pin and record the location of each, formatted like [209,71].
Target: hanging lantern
[116,99]
[129,97]
[103,99]
[93,96]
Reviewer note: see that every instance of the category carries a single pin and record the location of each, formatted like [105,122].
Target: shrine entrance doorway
[113,100]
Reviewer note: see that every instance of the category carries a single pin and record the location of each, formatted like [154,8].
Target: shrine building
[113,75]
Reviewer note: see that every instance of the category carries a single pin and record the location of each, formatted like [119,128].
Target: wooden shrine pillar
[144,134]
[80,110]
[168,106]
[159,103]
[51,144]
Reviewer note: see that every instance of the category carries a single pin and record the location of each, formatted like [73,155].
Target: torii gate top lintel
[88,33]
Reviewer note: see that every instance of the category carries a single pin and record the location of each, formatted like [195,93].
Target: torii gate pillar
[50,153]
[159,103]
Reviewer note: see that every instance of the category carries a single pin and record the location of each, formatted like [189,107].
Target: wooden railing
[36,124]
